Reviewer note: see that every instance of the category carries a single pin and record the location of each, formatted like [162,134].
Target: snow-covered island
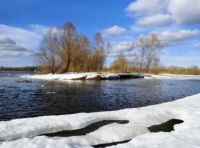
[107,76]
[85,76]
[29,132]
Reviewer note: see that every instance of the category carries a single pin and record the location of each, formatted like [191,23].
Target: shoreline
[106,76]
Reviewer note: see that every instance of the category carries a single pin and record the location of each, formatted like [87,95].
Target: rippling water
[20,98]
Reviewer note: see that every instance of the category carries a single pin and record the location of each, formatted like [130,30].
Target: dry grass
[194,70]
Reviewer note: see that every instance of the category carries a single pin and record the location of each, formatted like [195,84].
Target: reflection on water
[36,98]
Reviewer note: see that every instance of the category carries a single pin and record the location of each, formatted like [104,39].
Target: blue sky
[23,23]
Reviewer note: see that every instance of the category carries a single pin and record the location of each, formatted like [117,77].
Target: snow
[23,133]
[91,76]
[73,76]
[68,77]
[174,76]
[62,77]
[78,76]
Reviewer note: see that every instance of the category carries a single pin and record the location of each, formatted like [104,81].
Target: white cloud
[174,37]
[19,42]
[146,7]
[196,44]
[185,11]
[114,30]
[5,41]
[122,46]
[39,29]
[159,19]
[148,12]
[9,49]
[23,37]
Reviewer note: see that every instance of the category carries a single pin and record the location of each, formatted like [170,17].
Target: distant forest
[17,69]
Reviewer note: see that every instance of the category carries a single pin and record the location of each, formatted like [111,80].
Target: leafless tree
[120,64]
[80,54]
[48,53]
[147,51]
[101,49]
[67,40]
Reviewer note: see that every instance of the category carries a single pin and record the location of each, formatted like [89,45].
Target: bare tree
[83,53]
[101,49]
[67,41]
[120,64]
[147,51]
[48,53]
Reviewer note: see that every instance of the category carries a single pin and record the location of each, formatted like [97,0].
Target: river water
[19,98]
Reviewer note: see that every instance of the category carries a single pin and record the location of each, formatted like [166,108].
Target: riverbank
[185,113]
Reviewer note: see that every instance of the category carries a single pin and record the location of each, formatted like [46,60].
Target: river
[21,98]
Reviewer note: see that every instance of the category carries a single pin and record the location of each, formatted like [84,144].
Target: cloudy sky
[176,22]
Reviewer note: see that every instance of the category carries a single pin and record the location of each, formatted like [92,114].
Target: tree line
[28,68]
[65,50]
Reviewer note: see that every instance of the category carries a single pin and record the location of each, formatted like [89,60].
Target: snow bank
[185,135]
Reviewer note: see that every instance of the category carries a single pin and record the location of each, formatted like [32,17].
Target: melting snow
[23,133]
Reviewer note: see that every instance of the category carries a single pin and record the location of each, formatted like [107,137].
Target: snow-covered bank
[175,76]
[84,76]
[108,76]
[185,135]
